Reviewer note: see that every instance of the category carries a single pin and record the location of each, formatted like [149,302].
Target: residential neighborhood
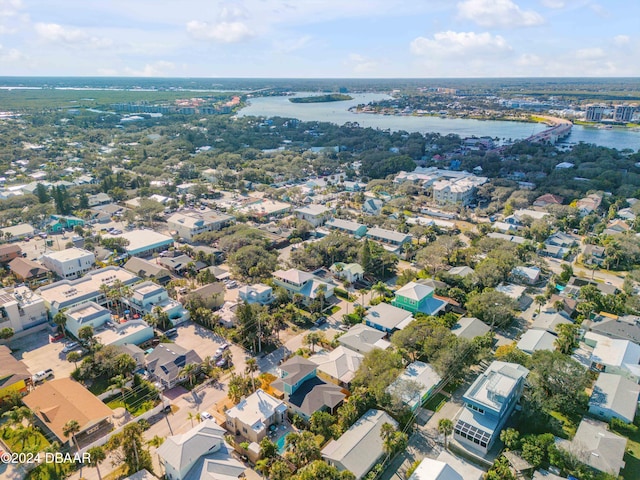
[312,314]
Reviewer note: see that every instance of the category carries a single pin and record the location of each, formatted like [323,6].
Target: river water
[338,113]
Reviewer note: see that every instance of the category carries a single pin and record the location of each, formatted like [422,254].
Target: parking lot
[205,343]
[38,354]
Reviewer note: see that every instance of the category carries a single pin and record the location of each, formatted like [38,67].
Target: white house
[614,397]
[199,454]
[315,214]
[351,272]
[256,293]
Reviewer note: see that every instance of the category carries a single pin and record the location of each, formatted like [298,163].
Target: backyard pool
[280,444]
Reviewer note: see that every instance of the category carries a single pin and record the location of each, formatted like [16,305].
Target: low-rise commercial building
[188,225]
[69,263]
[144,243]
[91,287]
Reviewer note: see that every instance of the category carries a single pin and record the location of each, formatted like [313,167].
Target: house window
[475,408]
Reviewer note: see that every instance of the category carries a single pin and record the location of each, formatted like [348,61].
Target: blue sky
[320,38]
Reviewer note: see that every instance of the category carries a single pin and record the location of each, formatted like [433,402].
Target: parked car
[320,321]
[42,375]
[172,332]
[206,416]
[56,337]
[223,363]
[70,347]
[221,349]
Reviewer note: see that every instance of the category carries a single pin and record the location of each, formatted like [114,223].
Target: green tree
[302,448]
[567,339]
[556,383]
[268,449]
[492,307]
[128,448]
[6,333]
[190,371]
[60,319]
[250,368]
[74,357]
[445,427]
[70,429]
[321,423]
[119,382]
[97,455]
[511,438]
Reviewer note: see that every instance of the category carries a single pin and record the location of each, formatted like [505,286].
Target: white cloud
[621,40]
[10,55]
[160,68]
[292,45]
[590,53]
[530,60]
[554,3]
[55,33]
[10,8]
[460,44]
[361,64]
[224,32]
[498,13]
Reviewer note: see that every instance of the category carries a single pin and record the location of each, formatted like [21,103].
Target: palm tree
[60,319]
[70,429]
[191,416]
[262,467]
[23,434]
[119,382]
[16,415]
[190,371]
[540,300]
[387,432]
[97,455]
[445,427]
[558,305]
[312,339]
[251,367]
[74,357]
[380,289]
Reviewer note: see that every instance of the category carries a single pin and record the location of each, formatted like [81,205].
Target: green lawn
[135,403]
[436,402]
[99,385]
[632,457]
[335,309]
[569,427]
[51,471]
[35,443]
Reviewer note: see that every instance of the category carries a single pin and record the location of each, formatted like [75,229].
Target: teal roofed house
[59,223]
[415,297]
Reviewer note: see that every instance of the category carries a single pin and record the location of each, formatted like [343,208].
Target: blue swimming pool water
[280,444]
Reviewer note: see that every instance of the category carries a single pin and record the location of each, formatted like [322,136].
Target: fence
[101,441]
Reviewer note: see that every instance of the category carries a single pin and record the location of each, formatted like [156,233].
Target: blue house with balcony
[303,391]
[489,402]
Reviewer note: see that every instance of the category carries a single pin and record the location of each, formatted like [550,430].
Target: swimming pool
[280,444]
